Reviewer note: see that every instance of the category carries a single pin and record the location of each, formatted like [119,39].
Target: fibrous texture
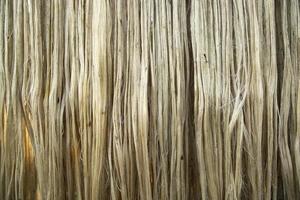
[149,99]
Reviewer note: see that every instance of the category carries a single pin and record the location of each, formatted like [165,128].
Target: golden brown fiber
[149,99]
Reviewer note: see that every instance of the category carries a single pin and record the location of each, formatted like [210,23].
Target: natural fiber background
[149,99]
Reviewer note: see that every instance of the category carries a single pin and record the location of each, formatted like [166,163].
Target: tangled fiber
[149,99]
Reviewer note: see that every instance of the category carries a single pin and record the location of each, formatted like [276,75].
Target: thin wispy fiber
[149,99]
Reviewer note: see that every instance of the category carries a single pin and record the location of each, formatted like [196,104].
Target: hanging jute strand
[149,99]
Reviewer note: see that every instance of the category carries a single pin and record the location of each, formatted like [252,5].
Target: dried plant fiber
[149,99]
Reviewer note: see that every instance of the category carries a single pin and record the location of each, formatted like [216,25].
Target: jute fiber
[149,99]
